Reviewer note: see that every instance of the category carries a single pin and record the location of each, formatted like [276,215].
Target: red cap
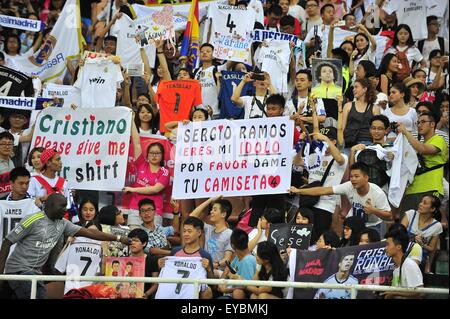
[47,154]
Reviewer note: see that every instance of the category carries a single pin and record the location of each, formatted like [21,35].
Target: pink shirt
[146,178]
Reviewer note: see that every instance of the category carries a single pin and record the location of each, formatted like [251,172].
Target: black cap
[329,132]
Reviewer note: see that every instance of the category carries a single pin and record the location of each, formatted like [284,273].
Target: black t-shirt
[13,83]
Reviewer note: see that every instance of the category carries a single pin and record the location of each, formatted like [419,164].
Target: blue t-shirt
[246,267]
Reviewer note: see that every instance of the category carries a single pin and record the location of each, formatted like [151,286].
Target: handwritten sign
[157,25]
[93,144]
[245,157]
[290,235]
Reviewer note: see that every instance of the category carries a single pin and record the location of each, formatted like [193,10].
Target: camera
[258,76]
[340,23]
[393,126]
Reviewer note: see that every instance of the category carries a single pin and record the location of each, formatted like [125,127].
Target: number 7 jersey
[180,267]
[176,100]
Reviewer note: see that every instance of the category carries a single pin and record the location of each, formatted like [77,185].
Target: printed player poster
[365,265]
[126,267]
[158,24]
[93,144]
[245,157]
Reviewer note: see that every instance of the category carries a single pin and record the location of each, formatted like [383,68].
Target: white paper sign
[244,157]
[157,25]
[93,144]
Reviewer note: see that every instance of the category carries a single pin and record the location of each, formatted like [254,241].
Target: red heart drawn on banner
[274,181]
[220,127]
[68,117]
[92,117]
[98,162]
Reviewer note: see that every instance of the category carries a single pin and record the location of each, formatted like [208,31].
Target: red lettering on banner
[61,147]
[311,271]
[218,166]
[235,183]
[197,151]
[260,148]
[88,147]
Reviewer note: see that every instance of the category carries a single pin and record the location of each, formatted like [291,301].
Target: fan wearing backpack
[377,155]
[406,52]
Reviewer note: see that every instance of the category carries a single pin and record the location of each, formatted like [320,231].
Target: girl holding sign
[151,179]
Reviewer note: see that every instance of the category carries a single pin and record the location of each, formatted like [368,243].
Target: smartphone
[232,270]
[258,76]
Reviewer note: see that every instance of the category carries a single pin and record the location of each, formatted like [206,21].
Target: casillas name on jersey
[230,80]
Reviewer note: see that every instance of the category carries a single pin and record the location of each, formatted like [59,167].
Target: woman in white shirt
[403,42]
[366,46]
[421,224]
[399,110]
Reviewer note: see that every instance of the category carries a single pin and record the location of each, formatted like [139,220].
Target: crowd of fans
[401,93]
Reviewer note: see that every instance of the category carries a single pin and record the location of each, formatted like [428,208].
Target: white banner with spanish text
[93,144]
[233,158]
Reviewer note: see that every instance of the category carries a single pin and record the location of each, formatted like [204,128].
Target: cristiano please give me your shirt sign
[233,158]
[93,144]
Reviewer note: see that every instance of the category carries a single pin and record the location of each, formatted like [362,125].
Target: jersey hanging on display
[274,59]
[98,84]
[176,100]
[82,258]
[208,83]
[13,83]
[230,81]
[12,212]
[180,267]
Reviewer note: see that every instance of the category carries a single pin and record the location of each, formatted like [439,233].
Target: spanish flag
[189,47]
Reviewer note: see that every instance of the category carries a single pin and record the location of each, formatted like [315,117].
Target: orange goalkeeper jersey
[176,100]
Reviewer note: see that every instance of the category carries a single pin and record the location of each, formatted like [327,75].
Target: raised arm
[137,150]
[236,97]
[162,59]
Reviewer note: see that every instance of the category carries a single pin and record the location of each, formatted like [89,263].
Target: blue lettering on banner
[261,35]
[20,23]
[50,63]
[27,103]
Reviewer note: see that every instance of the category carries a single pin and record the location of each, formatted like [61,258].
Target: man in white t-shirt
[313,17]
[432,42]
[367,200]
[407,273]
[206,74]
[327,15]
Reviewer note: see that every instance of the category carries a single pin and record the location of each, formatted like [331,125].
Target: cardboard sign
[290,235]
[157,25]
